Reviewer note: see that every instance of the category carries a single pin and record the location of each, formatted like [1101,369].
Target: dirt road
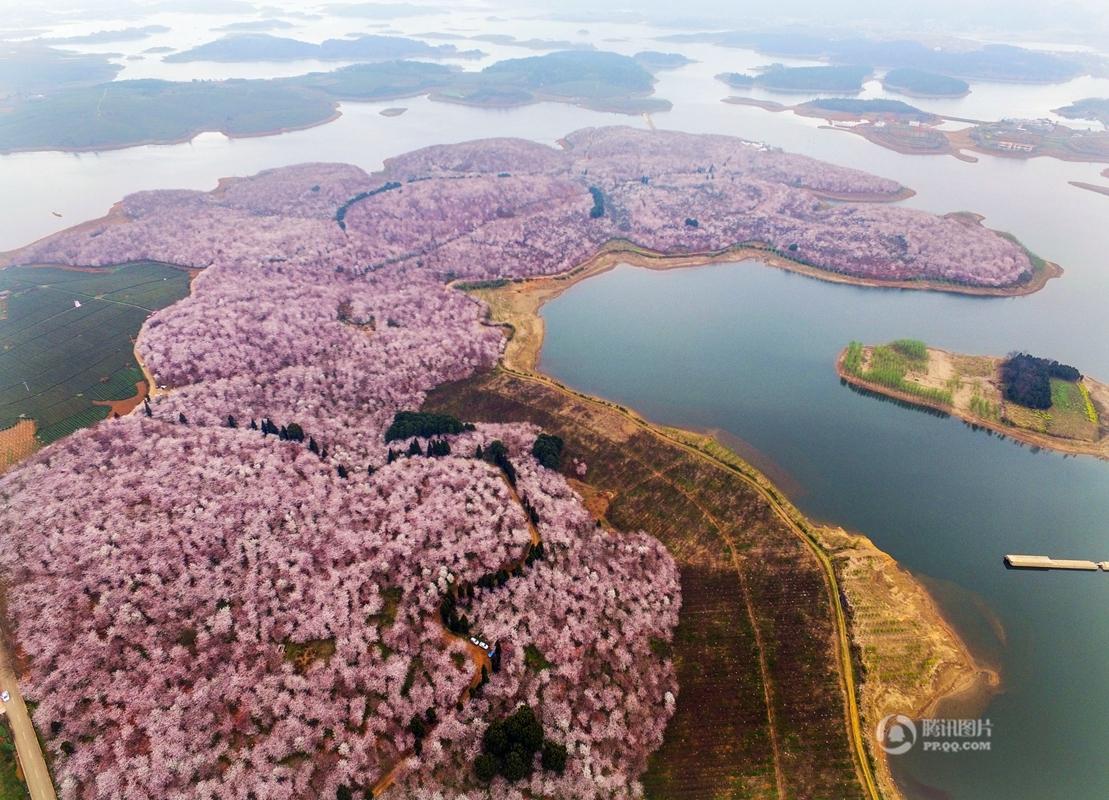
[26,742]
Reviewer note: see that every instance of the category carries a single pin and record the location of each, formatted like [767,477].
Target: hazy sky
[1079,20]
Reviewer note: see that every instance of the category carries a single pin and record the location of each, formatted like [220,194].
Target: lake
[750,350]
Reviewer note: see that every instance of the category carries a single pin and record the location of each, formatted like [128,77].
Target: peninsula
[1032,400]
[907,129]
[302,446]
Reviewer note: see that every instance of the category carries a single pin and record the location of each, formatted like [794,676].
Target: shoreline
[616,251]
[1090,187]
[435,95]
[515,308]
[958,143]
[892,614]
[336,112]
[1098,449]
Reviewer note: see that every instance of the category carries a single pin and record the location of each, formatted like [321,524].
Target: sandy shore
[914,661]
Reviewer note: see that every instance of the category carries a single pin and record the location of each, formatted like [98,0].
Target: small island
[654,60]
[1095,109]
[779,78]
[248,47]
[921,83]
[1034,400]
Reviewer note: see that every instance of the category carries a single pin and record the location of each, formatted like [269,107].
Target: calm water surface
[751,349]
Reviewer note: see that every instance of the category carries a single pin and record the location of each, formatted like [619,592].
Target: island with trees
[1091,108]
[962,59]
[921,83]
[778,78]
[244,47]
[126,113]
[655,60]
[1028,398]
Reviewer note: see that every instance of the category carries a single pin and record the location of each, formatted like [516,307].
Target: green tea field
[67,340]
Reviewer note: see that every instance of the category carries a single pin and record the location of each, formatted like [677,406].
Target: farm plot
[760,710]
[67,340]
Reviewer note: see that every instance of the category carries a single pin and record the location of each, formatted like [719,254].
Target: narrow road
[27,747]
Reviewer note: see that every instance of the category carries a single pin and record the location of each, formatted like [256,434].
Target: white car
[5,696]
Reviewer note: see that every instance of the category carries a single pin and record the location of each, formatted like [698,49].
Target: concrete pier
[1044,562]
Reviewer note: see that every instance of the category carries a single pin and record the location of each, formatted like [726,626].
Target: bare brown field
[124,407]
[17,443]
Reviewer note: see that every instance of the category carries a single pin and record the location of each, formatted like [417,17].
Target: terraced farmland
[67,340]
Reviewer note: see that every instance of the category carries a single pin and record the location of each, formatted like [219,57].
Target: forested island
[654,60]
[387,595]
[1028,398]
[1091,108]
[920,83]
[265,47]
[991,62]
[33,68]
[127,113]
[777,78]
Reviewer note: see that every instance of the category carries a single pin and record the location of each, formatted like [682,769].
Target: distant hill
[264,47]
[987,62]
[105,37]
[255,25]
[34,68]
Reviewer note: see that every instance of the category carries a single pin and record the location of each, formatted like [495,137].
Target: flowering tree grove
[237,591]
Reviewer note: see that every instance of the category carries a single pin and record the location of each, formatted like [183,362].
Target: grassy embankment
[64,366]
[970,388]
[768,703]
[11,781]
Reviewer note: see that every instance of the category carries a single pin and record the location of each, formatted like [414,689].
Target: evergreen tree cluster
[407,424]
[598,209]
[497,454]
[548,450]
[1027,379]
[509,747]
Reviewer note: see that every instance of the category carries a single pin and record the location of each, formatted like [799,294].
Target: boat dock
[1044,562]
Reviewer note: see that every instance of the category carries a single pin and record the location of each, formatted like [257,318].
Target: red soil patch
[127,405]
